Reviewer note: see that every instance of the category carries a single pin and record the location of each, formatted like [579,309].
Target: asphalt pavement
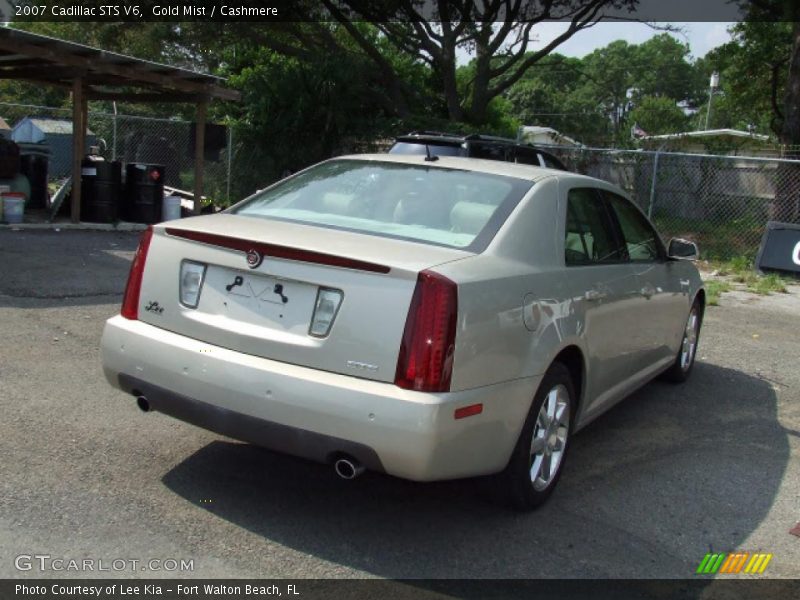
[668,475]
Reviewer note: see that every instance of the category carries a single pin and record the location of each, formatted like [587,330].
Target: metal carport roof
[34,57]
[95,74]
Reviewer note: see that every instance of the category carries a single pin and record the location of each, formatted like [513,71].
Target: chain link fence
[236,162]
[130,139]
[721,202]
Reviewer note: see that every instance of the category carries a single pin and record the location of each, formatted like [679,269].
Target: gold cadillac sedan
[426,317]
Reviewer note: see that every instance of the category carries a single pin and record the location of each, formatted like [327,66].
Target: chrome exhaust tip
[348,468]
[143,404]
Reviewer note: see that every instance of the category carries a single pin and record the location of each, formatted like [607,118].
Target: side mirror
[682,249]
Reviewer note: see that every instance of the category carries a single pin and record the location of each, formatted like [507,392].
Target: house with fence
[56,135]
[731,142]
[545,136]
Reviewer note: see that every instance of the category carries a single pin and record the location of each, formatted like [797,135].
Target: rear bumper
[316,414]
[275,436]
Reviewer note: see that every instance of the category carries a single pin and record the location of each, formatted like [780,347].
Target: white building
[545,136]
[713,141]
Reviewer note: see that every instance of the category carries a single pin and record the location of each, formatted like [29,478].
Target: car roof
[494,167]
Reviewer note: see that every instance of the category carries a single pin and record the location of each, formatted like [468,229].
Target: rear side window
[589,237]
[489,151]
[417,202]
[642,243]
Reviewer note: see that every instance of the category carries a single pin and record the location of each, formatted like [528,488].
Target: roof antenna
[428,156]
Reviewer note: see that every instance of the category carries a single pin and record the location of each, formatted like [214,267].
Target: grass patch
[714,289]
[765,284]
[740,264]
[740,269]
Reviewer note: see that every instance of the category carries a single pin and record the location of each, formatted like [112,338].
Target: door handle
[594,295]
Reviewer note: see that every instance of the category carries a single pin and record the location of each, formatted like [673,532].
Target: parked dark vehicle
[475,145]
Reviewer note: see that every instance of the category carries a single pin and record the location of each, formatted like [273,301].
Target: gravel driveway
[666,476]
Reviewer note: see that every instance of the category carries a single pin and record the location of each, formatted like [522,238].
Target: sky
[701,36]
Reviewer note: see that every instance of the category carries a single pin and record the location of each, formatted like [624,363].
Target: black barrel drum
[101,188]
[144,186]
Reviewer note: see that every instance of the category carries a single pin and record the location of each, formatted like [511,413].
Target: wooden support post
[78,135]
[199,154]
[85,112]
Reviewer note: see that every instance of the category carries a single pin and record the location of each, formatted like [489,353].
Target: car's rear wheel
[538,459]
[684,361]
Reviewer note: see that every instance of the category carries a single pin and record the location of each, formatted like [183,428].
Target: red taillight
[425,362]
[130,302]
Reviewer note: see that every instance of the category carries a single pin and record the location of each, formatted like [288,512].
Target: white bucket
[13,208]
[171,208]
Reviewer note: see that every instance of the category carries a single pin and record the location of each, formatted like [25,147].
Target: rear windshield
[446,207]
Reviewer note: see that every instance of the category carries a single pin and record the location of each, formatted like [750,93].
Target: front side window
[589,237]
[552,163]
[421,203]
[641,240]
[527,157]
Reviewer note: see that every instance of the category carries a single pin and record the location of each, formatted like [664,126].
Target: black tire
[680,371]
[516,480]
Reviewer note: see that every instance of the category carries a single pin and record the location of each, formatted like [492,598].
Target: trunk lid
[267,310]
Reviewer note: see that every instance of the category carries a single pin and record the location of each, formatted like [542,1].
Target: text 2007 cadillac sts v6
[430,319]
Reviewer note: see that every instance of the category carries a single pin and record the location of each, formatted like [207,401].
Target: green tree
[553,94]
[752,68]
[661,68]
[609,77]
[787,121]
[658,115]
[620,75]
[498,32]
[297,110]
[591,99]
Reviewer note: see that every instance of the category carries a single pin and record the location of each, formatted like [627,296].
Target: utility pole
[712,85]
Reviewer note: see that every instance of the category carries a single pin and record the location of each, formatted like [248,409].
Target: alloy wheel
[549,438]
[689,345]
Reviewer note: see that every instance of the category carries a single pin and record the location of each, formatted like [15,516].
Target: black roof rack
[465,141]
[450,137]
[471,137]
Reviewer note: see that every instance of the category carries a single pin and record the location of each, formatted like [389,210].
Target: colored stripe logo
[734,562]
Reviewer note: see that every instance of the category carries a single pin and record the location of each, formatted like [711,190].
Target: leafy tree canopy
[658,115]
[752,68]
